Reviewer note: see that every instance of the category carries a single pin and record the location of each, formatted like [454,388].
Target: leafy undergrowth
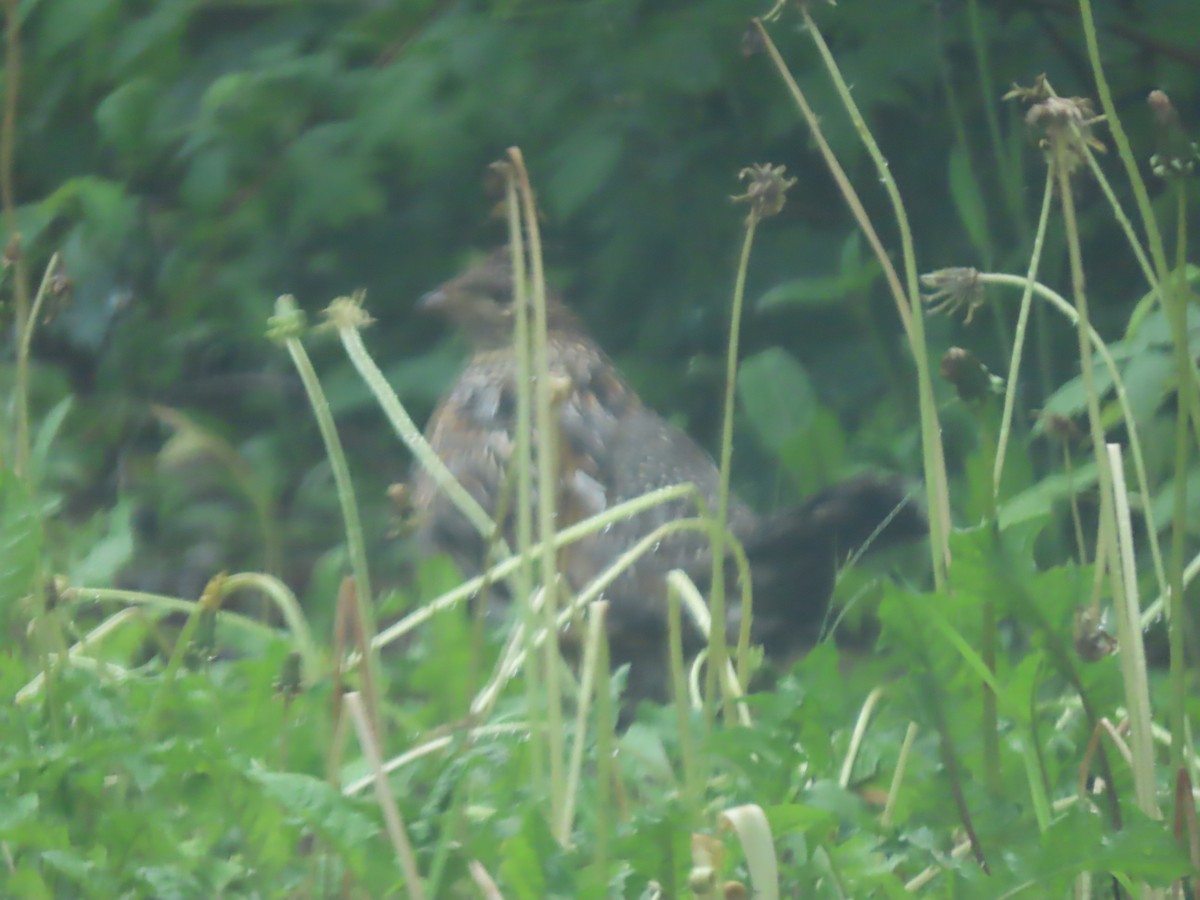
[223,782]
[994,740]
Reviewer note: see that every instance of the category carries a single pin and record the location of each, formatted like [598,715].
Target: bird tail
[794,554]
[844,520]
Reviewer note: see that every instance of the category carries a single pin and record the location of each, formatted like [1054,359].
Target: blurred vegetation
[191,161]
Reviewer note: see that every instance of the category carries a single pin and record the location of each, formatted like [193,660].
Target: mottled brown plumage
[615,449]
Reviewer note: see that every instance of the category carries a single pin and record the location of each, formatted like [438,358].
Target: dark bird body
[614,449]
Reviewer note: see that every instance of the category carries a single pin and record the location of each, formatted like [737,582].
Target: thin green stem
[507,566]
[539,747]
[1174,301]
[1061,172]
[692,781]
[717,648]
[937,489]
[1183,445]
[1133,650]
[588,680]
[349,506]
[606,724]
[406,429]
[1135,444]
[546,433]
[1014,367]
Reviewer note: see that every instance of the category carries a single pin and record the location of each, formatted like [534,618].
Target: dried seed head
[765,191]
[1065,122]
[952,290]
[971,379]
[1177,154]
[348,312]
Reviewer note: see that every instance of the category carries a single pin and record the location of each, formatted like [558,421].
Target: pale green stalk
[546,433]
[506,567]
[693,602]
[647,544]
[717,648]
[1174,299]
[1014,367]
[403,424]
[1135,444]
[1057,160]
[368,740]
[906,302]
[1133,650]
[285,330]
[159,604]
[692,780]
[937,487]
[606,772]
[539,747]
[588,680]
[889,809]
[856,737]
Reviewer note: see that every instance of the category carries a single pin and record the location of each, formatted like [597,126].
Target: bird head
[479,300]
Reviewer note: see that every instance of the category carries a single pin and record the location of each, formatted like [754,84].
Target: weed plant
[1003,744]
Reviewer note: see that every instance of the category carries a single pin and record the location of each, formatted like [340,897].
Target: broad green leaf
[818,290]
[777,396]
[585,164]
[1039,500]
[108,554]
[20,541]
[968,200]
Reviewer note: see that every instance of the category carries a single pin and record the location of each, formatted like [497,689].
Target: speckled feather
[614,449]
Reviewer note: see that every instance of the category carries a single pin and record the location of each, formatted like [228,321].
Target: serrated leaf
[317,805]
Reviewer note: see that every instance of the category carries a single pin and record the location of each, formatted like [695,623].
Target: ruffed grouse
[617,449]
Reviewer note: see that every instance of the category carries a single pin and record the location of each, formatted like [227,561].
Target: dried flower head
[952,289]
[1065,122]
[1177,154]
[971,379]
[348,312]
[765,191]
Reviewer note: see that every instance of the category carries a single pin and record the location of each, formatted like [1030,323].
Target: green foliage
[193,161]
